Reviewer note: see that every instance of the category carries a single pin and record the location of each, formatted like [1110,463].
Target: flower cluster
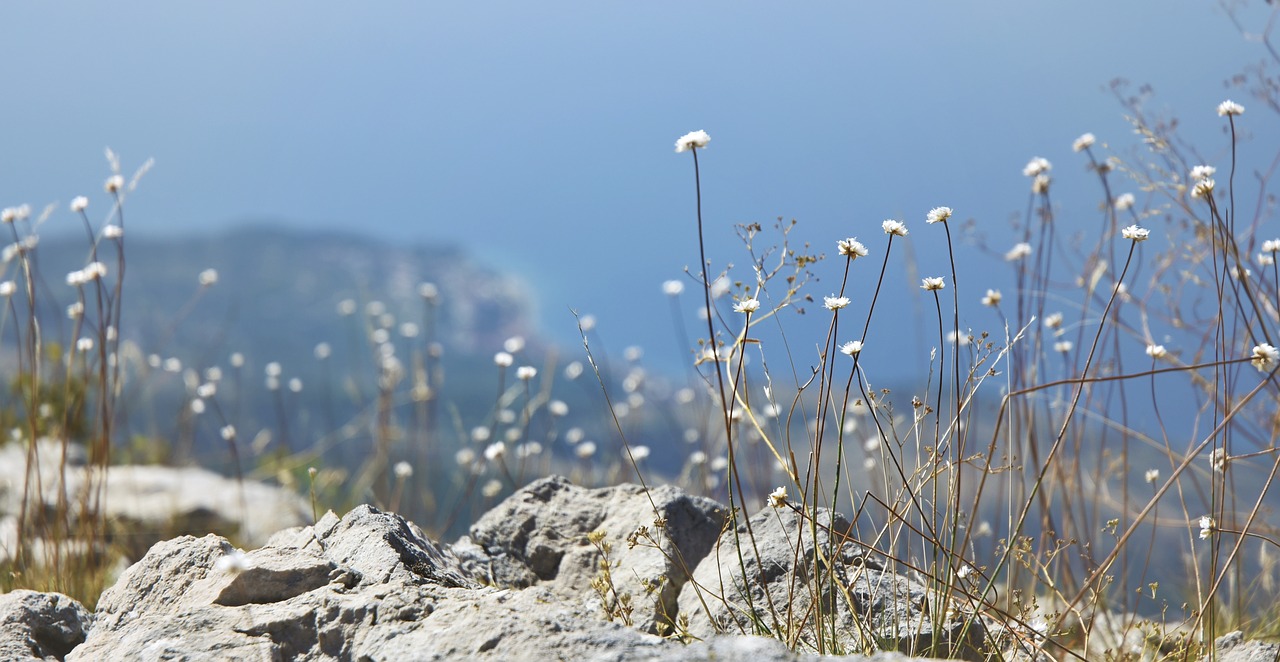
[851,248]
[692,140]
[1229,107]
[894,228]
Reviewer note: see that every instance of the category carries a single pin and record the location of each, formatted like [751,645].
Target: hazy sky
[539,135]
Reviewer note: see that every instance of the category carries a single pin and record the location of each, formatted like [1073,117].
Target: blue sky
[538,136]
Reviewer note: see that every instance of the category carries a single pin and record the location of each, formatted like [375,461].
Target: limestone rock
[539,536]
[40,626]
[778,585]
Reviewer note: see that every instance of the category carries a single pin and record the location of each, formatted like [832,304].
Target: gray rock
[40,626]
[147,504]
[1232,647]
[539,535]
[777,586]
[367,586]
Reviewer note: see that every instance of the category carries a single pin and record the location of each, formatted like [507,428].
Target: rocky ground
[525,584]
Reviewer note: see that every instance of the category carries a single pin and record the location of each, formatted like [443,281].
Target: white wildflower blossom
[835,302]
[234,563]
[1264,357]
[747,306]
[1202,172]
[1037,166]
[894,228]
[7,288]
[851,248]
[112,231]
[1053,320]
[403,470]
[495,450]
[113,184]
[1203,188]
[208,277]
[1229,107]
[526,372]
[1135,233]
[1271,246]
[1151,476]
[1063,346]
[1124,202]
[938,215]
[1040,184]
[1218,460]
[1207,527]
[672,288]
[992,298]
[1085,141]
[692,140]
[503,360]
[1156,351]
[932,283]
[79,203]
[851,348]
[778,498]
[1020,250]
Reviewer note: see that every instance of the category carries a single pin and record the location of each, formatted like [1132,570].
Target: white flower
[1266,259]
[235,563]
[7,288]
[1053,320]
[992,298]
[495,450]
[113,184]
[851,248]
[778,498]
[112,231]
[503,360]
[295,385]
[1207,527]
[932,283]
[273,369]
[585,449]
[1264,357]
[835,303]
[1202,172]
[640,452]
[9,214]
[1063,346]
[526,372]
[79,203]
[228,432]
[1151,476]
[558,408]
[1202,188]
[1020,250]
[692,140]
[1037,166]
[403,470]
[84,344]
[1124,201]
[1218,460]
[1156,351]
[747,306]
[1135,233]
[1271,246]
[207,390]
[892,227]
[852,348]
[1229,107]
[208,277]
[513,344]
[1085,141]
[491,488]
[672,288]
[938,215]
[1040,184]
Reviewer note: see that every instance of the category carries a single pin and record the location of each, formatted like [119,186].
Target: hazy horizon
[539,138]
